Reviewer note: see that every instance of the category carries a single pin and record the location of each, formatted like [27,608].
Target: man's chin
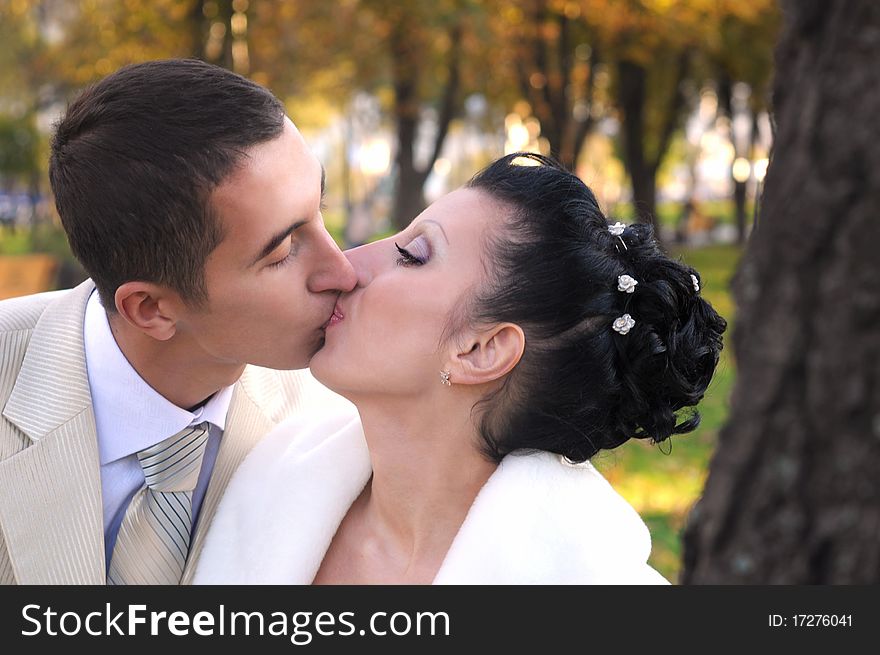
[305,360]
[295,360]
[294,363]
[284,366]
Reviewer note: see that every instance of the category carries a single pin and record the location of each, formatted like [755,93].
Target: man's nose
[335,272]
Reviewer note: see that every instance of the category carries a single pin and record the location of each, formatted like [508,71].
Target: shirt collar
[129,414]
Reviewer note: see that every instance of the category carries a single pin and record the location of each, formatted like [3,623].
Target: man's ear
[149,308]
[489,355]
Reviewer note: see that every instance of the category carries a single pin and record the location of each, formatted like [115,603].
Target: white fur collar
[536,520]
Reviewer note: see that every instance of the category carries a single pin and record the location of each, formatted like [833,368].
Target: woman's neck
[427,471]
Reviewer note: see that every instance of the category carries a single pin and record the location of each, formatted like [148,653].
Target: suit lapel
[246,423]
[50,492]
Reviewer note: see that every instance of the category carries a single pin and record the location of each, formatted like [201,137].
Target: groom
[127,403]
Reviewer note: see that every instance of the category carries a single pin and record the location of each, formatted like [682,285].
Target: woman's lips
[336,317]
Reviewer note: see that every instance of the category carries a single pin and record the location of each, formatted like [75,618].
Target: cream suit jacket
[51,524]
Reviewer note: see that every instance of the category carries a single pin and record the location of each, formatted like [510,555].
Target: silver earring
[444,378]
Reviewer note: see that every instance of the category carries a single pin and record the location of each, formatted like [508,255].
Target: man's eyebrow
[276,240]
[428,220]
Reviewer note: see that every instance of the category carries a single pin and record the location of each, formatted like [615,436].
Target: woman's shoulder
[542,520]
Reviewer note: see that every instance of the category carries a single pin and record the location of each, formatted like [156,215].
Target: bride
[489,351]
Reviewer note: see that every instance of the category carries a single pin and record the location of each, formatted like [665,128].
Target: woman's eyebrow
[428,220]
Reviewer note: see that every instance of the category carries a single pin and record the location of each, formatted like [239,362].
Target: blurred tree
[577,62]
[19,149]
[28,87]
[26,74]
[741,59]
[409,30]
[664,47]
[550,58]
[792,494]
[95,38]
[89,40]
[656,45]
[424,44]
[409,55]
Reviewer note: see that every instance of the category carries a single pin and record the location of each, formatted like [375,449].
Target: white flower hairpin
[616,230]
[696,283]
[626,283]
[623,324]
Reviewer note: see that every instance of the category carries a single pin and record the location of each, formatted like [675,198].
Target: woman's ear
[489,355]
[149,308]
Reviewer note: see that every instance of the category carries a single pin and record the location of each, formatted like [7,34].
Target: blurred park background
[661,106]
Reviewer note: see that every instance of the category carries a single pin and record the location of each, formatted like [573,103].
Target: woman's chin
[319,366]
[325,369]
[332,377]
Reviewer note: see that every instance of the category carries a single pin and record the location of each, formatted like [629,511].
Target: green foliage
[19,146]
[15,242]
[44,238]
[334,221]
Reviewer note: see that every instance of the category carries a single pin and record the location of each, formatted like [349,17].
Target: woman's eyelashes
[416,254]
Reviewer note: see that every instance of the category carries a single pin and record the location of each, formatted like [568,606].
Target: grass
[664,487]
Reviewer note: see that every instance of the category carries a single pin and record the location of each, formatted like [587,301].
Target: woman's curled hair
[582,386]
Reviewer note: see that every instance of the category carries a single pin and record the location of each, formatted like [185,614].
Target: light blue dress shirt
[130,415]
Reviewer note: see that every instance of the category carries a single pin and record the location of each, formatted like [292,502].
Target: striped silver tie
[154,537]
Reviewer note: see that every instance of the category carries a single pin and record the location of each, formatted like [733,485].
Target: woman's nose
[364,261]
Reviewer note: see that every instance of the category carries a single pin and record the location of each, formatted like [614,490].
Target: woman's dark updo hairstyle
[580,386]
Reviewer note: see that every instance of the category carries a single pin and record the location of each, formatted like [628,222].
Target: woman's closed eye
[416,253]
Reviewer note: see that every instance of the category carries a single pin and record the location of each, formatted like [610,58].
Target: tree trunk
[725,105]
[739,203]
[641,165]
[633,83]
[793,495]
[644,182]
[553,101]
[198,29]
[406,113]
[226,12]
[409,199]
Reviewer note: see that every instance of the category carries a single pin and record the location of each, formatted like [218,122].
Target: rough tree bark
[793,493]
